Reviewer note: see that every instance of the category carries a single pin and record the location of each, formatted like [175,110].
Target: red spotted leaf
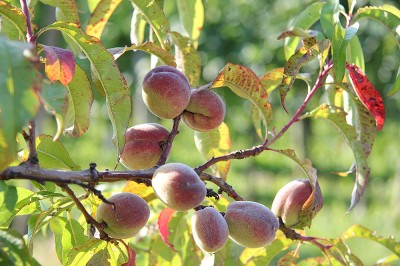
[131,255]
[60,64]
[163,221]
[367,94]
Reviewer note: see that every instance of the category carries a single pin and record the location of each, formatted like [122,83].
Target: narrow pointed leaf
[138,25]
[106,70]
[66,10]
[245,83]
[191,14]
[187,58]
[355,53]
[330,17]
[15,20]
[163,221]
[368,95]
[396,86]
[303,21]
[273,78]
[82,254]
[80,99]
[215,143]
[53,154]
[19,101]
[60,64]
[100,17]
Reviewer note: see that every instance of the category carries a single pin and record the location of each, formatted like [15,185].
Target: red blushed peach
[251,224]
[143,146]
[205,111]
[166,91]
[178,186]
[128,215]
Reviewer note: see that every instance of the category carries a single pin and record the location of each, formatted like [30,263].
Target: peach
[291,204]
[129,214]
[205,111]
[251,224]
[166,91]
[210,230]
[178,186]
[143,145]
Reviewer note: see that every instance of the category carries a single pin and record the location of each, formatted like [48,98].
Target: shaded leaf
[164,219]
[145,192]
[13,250]
[289,259]
[100,16]
[303,21]
[19,101]
[53,154]
[215,143]
[246,84]
[396,86]
[330,17]
[106,70]
[60,64]
[342,253]
[191,14]
[187,58]
[80,99]
[148,47]
[368,95]
[66,10]
[355,53]
[131,256]
[14,22]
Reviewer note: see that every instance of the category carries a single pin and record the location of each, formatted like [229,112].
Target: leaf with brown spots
[100,16]
[368,95]
[60,64]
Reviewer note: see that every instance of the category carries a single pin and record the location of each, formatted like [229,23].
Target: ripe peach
[251,224]
[292,205]
[210,230]
[166,91]
[129,214]
[142,148]
[205,111]
[178,186]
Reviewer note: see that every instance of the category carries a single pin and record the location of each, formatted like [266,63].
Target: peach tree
[172,212]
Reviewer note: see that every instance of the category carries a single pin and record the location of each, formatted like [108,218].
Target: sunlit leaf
[303,21]
[215,143]
[14,22]
[245,83]
[191,14]
[109,76]
[145,192]
[187,58]
[66,10]
[273,78]
[82,254]
[60,64]
[19,101]
[80,99]
[138,25]
[148,47]
[355,53]
[100,16]
[330,17]
[341,252]
[368,95]
[53,154]
[13,249]
[131,256]
[388,15]
[289,259]
[164,219]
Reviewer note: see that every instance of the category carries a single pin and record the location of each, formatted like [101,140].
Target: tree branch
[166,146]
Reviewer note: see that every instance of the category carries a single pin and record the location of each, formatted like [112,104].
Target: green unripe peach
[166,91]
[126,217]
[143,146]
[178,186]
[251,224]
[205,111]
[210,230]
[295,206]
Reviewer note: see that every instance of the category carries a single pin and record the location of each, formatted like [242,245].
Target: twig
[166,146]
[222,185]
[29,32]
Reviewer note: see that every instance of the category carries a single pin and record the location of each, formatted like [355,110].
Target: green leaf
[387,15]
[13,250]
[138,26]
[100,17]
[83,253]
[273,78]
[303,21]
[341,253]
[106,70]
[396,86]
[68,233]
[330,17]
[363,232]
[14,22]
[246,84]
[214,143]
[148,47]
[19,101]
[355,53]
[66,10]
[156,18]
[80,99]
[191,14]
[53,154]
[187,58]
[337,116]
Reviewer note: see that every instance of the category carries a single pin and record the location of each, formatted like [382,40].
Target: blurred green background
[245,32]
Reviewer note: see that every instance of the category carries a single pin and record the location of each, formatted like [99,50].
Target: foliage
[66,80]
